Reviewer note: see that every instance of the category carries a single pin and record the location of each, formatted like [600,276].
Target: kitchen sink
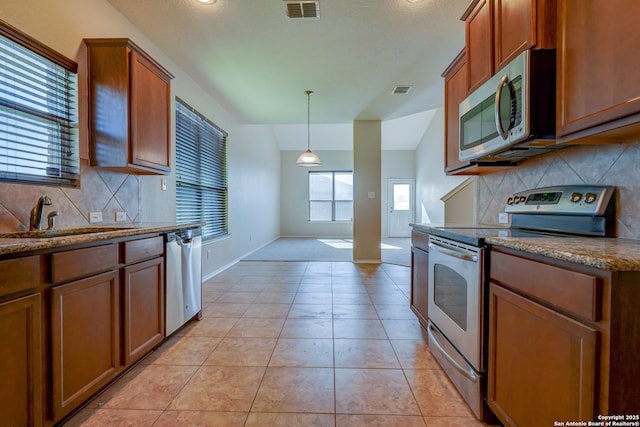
[37,234]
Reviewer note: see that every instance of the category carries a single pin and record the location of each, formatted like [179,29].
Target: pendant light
[308,158]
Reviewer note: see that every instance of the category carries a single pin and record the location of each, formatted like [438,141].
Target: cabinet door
[542,365]
[419,284]
[21,362]
[150,100]
[143,298]
[479,43]
[520,25]
[455,91]
[84,339]
[513,29]
[598,62]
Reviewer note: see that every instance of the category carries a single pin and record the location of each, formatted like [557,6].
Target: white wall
[399,164]
[294,195]
[431,181]
[254,198]
[253,155]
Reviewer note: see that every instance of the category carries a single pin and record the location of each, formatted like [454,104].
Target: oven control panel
[563,200]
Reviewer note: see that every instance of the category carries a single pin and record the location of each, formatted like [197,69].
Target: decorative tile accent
[100,190]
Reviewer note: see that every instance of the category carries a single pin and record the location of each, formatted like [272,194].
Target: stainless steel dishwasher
[184,278]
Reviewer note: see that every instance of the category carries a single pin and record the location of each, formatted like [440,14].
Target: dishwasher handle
[185,238]
[184,241]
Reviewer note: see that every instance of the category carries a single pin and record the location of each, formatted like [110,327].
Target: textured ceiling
[257,63]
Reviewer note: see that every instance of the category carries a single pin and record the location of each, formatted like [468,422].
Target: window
[201,171]
[331,196]
[38,112]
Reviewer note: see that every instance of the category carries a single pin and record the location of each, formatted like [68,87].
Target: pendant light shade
[308,158]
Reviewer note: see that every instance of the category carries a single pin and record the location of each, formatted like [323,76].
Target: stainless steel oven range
[458,274]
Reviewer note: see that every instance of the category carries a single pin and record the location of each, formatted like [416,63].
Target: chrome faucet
[35,220]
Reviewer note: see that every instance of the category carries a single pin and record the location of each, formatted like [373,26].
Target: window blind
[201,171]
[38,112]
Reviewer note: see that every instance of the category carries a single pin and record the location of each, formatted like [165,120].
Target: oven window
[450,294]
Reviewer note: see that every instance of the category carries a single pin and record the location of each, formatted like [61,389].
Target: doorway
[401,207]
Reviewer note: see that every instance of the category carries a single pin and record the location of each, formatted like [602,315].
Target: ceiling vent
[401,90]
[302,9]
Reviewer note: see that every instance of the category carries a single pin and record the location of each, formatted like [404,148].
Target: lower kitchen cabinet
[563,340]
[21,362]
[143,305]
[85,332]
[542,364]
[420,275]
[72,320]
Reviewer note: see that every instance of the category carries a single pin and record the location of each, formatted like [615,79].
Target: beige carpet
[394,250]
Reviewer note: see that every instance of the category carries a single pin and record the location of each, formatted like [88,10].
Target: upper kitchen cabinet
[455,90]
[520,25]
[478,24]
[498,30]
[129,99]
[598,83]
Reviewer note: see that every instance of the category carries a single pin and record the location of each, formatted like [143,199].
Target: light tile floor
[291,344]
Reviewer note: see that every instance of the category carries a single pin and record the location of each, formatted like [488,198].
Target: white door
[400,207]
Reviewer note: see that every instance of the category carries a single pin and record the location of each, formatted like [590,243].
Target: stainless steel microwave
[512,115]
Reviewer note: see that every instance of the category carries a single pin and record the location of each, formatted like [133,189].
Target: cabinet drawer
[137,250]
[420,240]
[20,274]
[573,291]
[69,265]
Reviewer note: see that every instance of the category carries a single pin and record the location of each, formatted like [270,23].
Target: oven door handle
[467,256]
[468,373]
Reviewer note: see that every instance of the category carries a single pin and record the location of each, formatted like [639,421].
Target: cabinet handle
[468,373]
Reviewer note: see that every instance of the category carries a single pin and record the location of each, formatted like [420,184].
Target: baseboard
[316,237]
[220,270]
[235,261]
[367,261]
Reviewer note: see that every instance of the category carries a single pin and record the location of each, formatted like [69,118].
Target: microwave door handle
[454,253]
[503,133]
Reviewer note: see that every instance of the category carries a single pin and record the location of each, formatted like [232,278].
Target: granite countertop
[599,252]
[87,234]
[605,253]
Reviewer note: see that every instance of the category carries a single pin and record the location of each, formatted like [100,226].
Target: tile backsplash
[615,164]
[100,191]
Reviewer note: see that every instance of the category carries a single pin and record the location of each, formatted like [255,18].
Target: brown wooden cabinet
[563,340]
[143,298]
[420,275]
[455,91]
[21,361]
[85,332]
[129,100]
[598,84]
[143,316]
[520,25]
[21,341]
[542,364]
[496,31]
[72,319]
[478,24]
[84,325]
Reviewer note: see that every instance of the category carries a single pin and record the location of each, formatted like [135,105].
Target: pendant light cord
[308,92]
